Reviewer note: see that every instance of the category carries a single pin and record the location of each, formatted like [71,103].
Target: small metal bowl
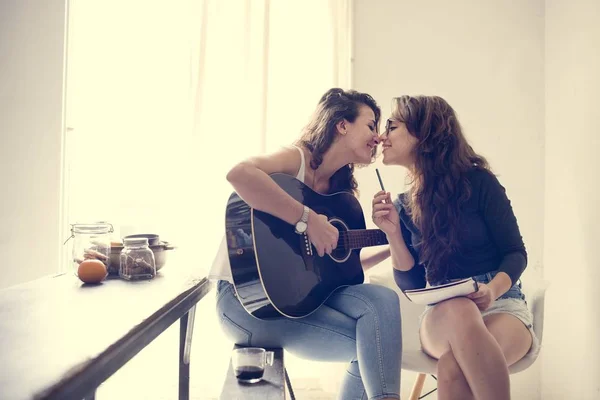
[153,239]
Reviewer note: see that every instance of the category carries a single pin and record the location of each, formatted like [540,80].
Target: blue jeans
[358,324]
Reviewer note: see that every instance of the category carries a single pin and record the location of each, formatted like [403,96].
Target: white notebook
[434,294]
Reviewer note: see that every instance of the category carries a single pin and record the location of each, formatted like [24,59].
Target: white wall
[571,359]
[486,58]
[31,88]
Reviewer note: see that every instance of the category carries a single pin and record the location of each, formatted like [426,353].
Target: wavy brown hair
[318,136]
[439,186]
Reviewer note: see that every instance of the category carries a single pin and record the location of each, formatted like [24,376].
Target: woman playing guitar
[357,324]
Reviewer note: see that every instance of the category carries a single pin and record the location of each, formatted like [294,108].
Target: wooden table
[60,338]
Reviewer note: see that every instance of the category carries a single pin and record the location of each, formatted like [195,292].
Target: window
[164,97]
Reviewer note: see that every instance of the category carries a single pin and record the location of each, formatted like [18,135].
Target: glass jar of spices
[136,260]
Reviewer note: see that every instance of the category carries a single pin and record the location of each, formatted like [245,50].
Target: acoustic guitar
[277,272]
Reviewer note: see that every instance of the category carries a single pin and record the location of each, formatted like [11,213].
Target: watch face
[301,227]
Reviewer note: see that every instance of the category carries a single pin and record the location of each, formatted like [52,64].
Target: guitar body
[277,272]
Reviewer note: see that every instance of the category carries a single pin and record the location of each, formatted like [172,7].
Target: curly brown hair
[442,156]
[318,136]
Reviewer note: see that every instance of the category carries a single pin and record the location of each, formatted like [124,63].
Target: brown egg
[92,271]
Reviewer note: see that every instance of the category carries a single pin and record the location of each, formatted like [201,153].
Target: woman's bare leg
[451,381]
[456,325]
[511,334]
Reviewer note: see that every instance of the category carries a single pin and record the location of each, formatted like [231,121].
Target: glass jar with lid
[91,241]
[137,260]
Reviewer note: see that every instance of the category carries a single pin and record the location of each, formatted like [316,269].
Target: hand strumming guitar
[321,233]
[384,213]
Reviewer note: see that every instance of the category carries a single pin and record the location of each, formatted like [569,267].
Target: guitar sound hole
[341,252]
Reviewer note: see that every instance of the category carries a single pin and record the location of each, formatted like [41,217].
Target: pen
[380,181]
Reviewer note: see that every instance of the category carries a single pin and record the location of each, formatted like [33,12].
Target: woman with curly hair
[454,222]
[358,324]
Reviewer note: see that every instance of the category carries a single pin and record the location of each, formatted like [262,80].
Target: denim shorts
[512,302]
[514,292]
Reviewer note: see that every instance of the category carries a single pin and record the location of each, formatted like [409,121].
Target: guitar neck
[357,239]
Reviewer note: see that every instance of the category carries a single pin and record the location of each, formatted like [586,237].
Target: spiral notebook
[434,294]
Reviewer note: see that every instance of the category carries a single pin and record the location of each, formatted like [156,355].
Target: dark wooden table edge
[88,376]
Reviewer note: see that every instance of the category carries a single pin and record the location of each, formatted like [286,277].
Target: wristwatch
[302,225]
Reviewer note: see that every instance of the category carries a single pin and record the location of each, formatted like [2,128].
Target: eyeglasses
[387,125]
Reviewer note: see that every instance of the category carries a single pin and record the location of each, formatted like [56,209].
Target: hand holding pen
[384,212]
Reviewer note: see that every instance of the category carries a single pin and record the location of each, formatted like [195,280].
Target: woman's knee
[374,297]
[455,320]
[385,300]
[459,311]
[387,295]
[378,302]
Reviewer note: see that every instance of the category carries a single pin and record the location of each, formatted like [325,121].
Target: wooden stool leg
[417,388]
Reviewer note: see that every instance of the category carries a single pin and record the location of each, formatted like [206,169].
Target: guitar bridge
[307,246]
[307,252]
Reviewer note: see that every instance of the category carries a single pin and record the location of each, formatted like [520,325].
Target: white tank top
[220,269]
